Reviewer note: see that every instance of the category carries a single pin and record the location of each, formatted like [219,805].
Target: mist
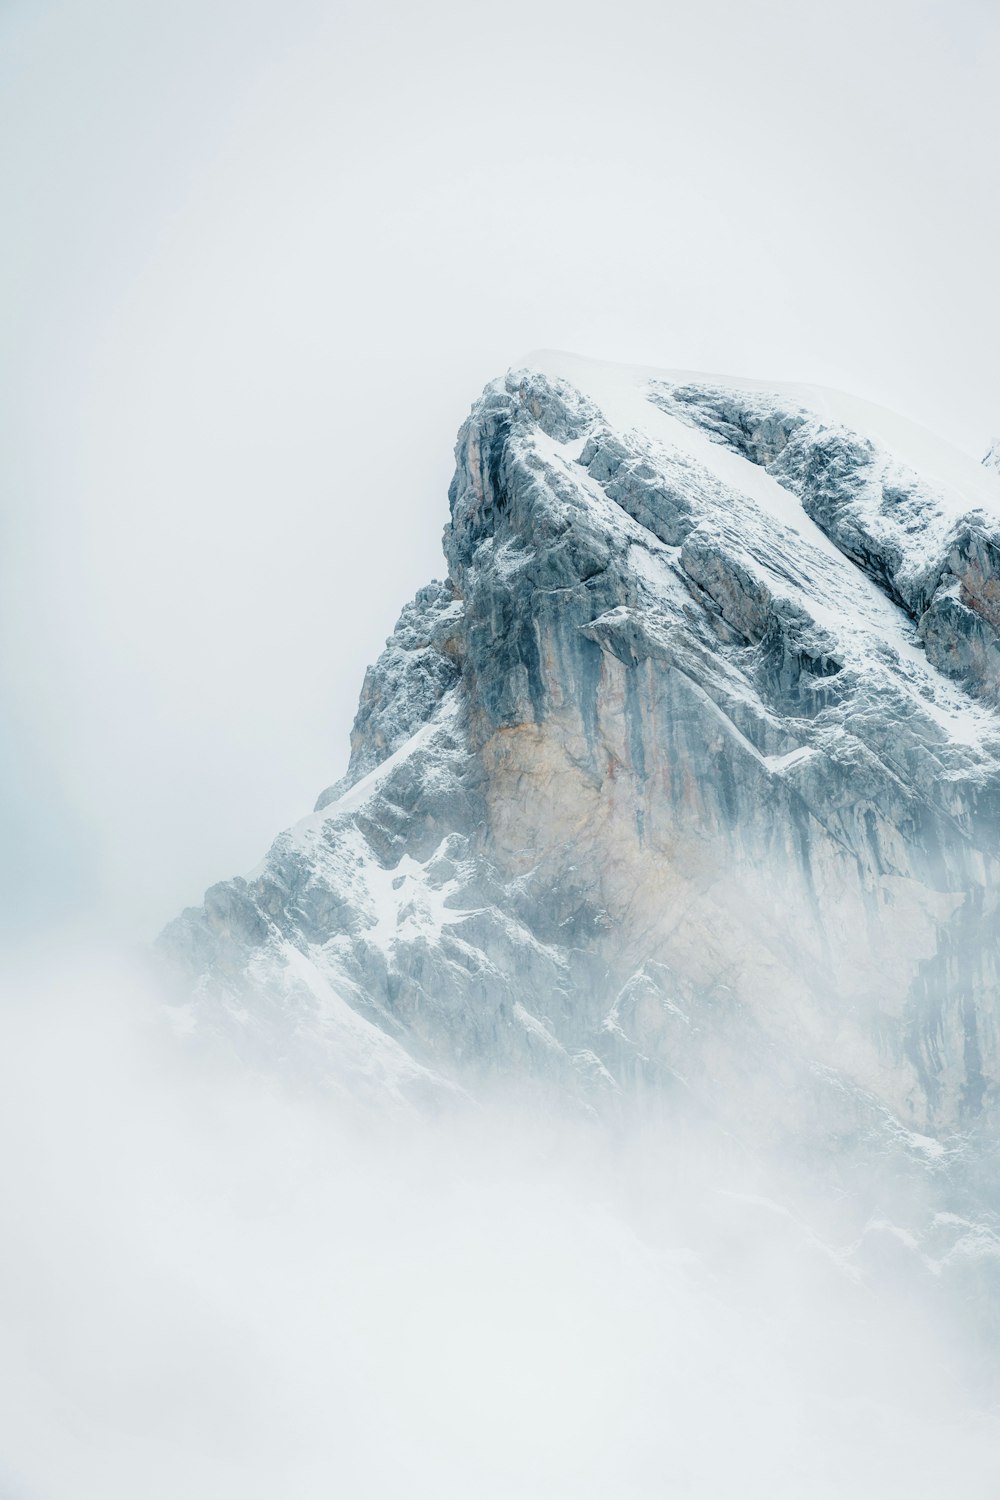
[261,258]
[218,1283]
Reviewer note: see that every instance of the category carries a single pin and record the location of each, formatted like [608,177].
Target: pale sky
[259,258]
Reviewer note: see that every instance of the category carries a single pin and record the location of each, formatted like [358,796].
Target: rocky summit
[681,790]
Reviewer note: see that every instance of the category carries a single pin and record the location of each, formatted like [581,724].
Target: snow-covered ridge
[678,796]
[656,670]
[931,543]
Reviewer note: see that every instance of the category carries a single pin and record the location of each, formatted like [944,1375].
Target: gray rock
[887,519]
[655,798]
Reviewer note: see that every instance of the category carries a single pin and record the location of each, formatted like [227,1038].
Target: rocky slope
[683,786]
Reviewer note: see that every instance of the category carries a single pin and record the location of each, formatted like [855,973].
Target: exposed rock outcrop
[673,790]
[939,561]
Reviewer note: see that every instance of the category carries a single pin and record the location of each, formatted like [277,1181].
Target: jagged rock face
[402,692]
[940,563]
[673,790]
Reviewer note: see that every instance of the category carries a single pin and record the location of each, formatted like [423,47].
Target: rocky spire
[676,777]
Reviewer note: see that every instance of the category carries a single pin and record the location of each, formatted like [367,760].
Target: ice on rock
[684,784]
[930,542]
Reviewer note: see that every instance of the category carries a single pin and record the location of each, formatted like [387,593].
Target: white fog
[596,1093]
[213,1285]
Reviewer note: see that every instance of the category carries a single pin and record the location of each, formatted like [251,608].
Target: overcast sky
[259,257]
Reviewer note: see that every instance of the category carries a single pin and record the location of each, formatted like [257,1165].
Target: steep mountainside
[683,786]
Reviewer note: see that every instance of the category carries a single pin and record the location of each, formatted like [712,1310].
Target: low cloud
[213,1286]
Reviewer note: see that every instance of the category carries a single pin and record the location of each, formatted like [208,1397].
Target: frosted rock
[941,565]
[673,790]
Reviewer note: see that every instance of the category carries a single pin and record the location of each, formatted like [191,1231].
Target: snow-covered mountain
[684,785]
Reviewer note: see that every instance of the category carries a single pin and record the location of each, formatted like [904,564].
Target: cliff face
[683,785]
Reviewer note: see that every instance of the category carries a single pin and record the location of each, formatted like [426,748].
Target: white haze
[214,1286]
[258,259]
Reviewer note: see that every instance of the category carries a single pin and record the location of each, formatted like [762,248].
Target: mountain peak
[683,784]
